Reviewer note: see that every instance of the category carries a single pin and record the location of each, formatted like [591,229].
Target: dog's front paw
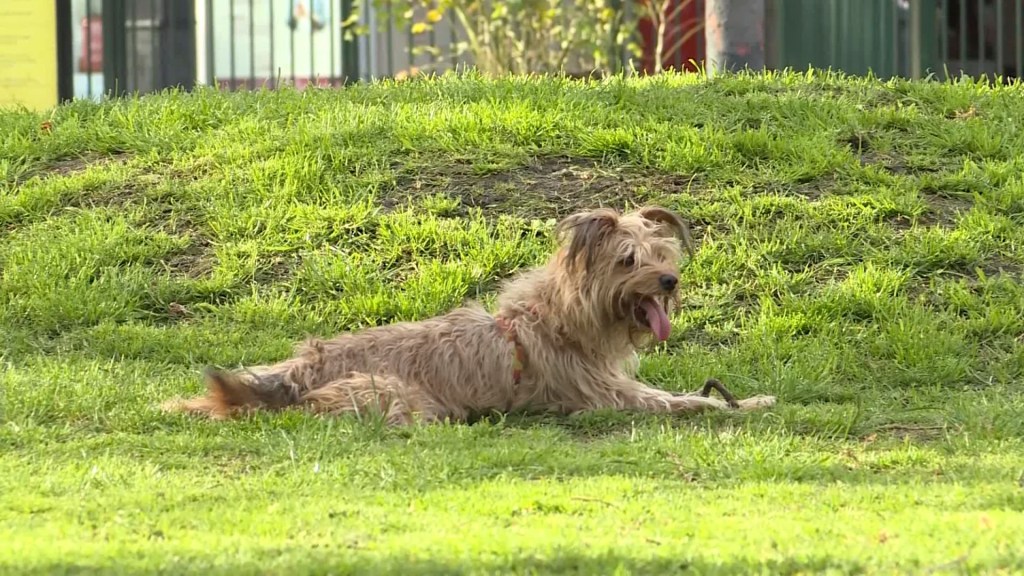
[757,402]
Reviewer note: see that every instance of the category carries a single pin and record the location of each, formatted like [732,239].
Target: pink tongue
[657,318]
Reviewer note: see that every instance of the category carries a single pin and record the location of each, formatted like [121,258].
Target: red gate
[684,35]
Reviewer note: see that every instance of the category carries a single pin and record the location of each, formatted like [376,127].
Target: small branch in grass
[714,384]
[598,500]
[946,565]
[912,427]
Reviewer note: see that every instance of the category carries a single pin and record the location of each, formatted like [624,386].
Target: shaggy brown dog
[563,339]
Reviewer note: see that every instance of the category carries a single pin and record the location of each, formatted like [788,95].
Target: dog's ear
[588,232]
[673,221]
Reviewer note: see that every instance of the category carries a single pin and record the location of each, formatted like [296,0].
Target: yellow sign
[28,54]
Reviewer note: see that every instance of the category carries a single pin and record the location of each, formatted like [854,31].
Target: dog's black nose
[668,282]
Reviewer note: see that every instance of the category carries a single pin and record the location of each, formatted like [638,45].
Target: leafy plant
[523,36]
[661,12]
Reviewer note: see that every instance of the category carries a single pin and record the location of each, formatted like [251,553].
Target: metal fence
[980,38]
[247,44]
[126,46]
[856,37]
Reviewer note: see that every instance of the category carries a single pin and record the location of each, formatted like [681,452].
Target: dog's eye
[629,261]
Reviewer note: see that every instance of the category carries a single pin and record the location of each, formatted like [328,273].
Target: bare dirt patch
[194,262]
[944,211]
[70,166]
[890,164]
[550,187]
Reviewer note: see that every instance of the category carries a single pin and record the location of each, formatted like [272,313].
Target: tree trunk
[734,35]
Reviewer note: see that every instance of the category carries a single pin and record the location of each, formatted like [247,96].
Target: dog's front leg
[696,402]
[636,395]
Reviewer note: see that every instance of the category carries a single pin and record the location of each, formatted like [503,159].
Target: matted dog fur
[563,339]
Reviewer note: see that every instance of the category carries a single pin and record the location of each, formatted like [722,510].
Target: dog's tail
[232,393]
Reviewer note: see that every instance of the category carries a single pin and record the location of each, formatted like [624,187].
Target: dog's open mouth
[651,313]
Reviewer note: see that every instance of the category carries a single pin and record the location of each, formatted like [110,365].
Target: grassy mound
[861,258]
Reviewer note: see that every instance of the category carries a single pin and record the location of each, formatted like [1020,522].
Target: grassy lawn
[860,257]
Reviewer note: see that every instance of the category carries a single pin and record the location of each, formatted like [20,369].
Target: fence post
[177,55]
[615,58]
[734,35]
[772,34]
[350,45]
[923,37]
[115,57]
[65,59]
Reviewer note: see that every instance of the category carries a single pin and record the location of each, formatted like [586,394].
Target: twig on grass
[715,384]
[598,500]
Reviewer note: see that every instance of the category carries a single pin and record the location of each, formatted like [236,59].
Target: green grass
[861,258]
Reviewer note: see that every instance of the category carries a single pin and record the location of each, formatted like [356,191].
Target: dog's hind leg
[362,394]
[232,393]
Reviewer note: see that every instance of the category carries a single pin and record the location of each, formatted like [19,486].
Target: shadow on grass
[344,561]
[341,561]
[604,424]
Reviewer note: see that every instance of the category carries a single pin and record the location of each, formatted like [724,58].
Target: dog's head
[625,267]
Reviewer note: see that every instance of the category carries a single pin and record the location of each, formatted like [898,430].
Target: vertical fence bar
[176,42]
[432,38]
[132,19]
[890,38]
[1020,39]
[980,14]
[929,37]
[875,24]
[835,29]
[350,49]
[210,61]
[915,39]
[368,18]
[312,50]
[771,31]
[614,54]
[857,61]
[231,38]
[410,47]
[850,60]
[330,17]
[944,36]
[65,58]
[88,45]
[961,33]
[899,51]
[391,40]
[854,14]
[680,28]
[623,51]
[883,46]
[291,41]
[252,46]
[453,41]
[867,58]
[564,24]
[272,80]
[622,48]
[889,22]
[881,26]
[897,36]
[999,38]
[156,25]
[114,41]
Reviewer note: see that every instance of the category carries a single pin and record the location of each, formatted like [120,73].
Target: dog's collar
[519,354]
